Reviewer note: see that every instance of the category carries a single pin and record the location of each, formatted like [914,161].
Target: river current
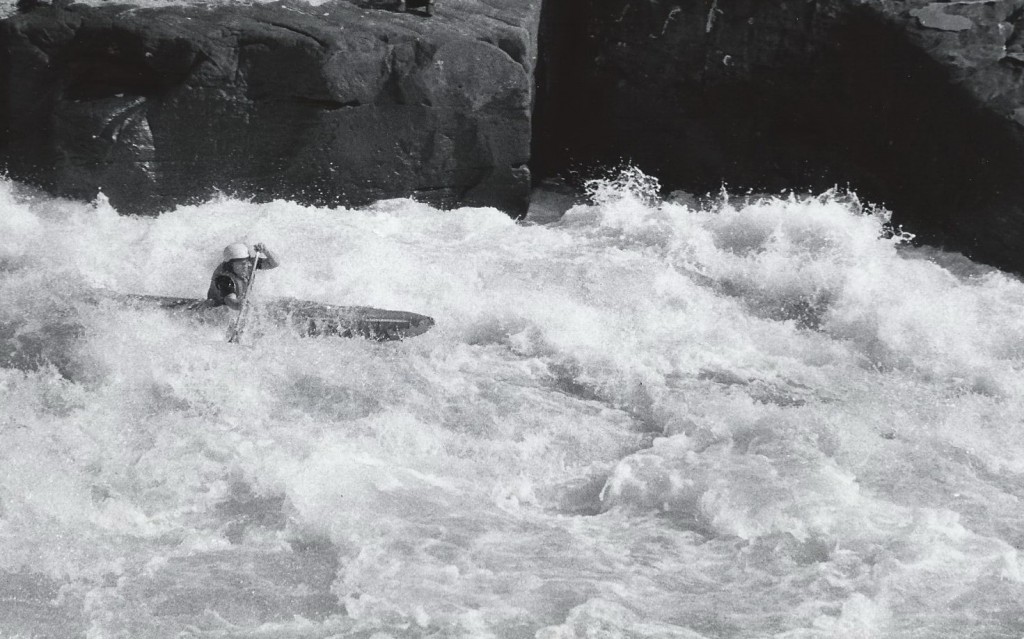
[739,417]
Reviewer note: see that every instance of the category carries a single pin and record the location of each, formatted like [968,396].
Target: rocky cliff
[916,105]
[329,104]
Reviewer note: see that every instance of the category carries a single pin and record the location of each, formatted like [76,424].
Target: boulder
[917,106]
[333,104]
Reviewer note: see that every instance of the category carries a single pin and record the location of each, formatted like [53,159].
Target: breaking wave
[683,417]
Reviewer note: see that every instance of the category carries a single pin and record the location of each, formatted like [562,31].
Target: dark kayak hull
[307,319]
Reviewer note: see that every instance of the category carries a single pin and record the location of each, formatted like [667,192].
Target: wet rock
[329,104]
[916,105]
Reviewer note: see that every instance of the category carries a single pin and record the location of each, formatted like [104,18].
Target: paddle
[235,333]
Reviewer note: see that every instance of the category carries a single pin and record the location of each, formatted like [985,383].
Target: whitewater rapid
[748,417]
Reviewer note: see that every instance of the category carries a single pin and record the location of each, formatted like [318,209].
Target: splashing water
[757,418]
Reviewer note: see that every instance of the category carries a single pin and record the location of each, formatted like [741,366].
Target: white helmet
[236,251]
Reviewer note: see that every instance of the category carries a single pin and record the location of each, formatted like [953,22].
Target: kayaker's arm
[231,301]
[268,260]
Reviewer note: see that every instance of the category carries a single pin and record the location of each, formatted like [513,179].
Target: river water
[740,418]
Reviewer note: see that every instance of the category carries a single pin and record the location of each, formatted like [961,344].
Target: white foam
[647,418]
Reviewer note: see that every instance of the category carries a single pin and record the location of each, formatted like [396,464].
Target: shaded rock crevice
[773,95]
[321,42]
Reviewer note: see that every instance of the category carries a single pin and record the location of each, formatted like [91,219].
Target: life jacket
[225,270]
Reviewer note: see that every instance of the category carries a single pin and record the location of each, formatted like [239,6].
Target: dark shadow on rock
[772,96]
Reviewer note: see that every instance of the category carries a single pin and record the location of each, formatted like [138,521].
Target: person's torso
[226,281]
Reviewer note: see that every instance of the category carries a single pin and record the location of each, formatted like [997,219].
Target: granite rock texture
[916,105]
[335,104]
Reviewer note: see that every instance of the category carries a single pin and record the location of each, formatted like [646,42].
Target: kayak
[307,319]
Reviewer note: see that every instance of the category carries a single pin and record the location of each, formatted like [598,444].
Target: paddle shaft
[236,330]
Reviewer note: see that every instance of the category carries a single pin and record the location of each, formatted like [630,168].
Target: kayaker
[231,279]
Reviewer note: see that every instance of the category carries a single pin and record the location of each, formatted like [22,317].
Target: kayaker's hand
[268,259]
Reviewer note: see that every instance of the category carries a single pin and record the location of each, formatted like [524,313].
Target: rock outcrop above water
[329,104]
[916,105]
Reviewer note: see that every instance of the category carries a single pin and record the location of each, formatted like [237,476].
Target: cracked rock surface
[330,104]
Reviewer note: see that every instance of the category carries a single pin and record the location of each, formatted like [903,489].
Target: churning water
[757,418]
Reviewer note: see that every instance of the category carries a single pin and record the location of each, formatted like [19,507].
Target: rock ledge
[332,104]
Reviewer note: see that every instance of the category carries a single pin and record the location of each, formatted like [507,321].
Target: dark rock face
[916,105]
[332,104]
